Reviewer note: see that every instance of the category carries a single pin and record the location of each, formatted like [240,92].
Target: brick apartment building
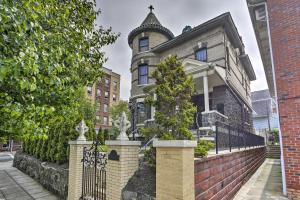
[277,28]
[105,93]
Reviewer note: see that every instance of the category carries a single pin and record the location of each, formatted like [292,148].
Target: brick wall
[221,176]
[284,18]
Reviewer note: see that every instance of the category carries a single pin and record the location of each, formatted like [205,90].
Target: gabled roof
[231,30]
[150,23]
[261,102]
[221,20]
[260,95]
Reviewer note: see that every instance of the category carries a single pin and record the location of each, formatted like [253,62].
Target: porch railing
[228,137]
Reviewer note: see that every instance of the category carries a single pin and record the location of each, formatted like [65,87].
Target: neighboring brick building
[213,53]
[277,28]
[105,93]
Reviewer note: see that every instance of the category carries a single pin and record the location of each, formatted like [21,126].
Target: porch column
[206,94]
[152,107]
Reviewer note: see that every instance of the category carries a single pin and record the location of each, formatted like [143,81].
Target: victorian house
[212,52]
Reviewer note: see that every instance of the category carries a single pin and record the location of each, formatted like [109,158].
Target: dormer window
[201,54]
[144,44]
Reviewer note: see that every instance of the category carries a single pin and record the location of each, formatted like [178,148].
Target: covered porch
[207,76]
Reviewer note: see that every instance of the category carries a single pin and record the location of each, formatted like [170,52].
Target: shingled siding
[221,176]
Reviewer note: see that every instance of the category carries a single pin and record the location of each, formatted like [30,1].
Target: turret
[148,35]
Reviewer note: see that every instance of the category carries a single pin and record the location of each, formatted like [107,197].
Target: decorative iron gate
[93,173]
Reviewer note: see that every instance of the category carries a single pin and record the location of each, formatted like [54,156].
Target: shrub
[203,147]
[150,157]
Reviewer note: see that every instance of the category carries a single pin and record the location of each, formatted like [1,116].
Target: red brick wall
[284,18]
[221,176]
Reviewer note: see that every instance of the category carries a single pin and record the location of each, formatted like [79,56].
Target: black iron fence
[228,137]
[93,173]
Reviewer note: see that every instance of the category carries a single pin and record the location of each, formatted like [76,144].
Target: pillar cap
[175,143]
[77,142]
[122,143]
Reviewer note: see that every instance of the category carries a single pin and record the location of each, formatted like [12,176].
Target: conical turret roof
[150,23]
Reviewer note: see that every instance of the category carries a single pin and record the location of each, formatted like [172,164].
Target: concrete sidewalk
[15,185]
[265,184]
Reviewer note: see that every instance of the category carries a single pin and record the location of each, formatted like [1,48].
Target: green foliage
[274,136]
[103,148]
[49,50]
[203,147]
[150,157]
[174,109]
[116,110]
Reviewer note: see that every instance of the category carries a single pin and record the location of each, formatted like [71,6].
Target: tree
[49,50]
[116,110]
[174,111]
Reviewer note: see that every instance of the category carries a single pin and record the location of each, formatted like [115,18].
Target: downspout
[277,106]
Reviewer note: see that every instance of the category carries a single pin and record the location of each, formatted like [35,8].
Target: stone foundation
[51,176]
[141,186]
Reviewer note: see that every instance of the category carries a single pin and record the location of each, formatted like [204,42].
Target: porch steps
[273,151]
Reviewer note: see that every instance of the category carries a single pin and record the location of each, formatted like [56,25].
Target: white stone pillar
[206,94]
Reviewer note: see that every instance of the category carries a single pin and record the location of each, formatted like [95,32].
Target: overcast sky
[125,15]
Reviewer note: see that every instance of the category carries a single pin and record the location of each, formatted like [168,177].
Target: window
[89,90]
[260,13]
[106,94]
[98,105]
[97,118]
[105,108]
[98,92]
[144,44]
[220,108]
[143,112]
[201,54]
[107,82]
[114,97]
[143,74]
[115,86]
[105,120]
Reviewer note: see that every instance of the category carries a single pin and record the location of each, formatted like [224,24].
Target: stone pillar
[123,161]
[175,169]
[206,94]
[75,168]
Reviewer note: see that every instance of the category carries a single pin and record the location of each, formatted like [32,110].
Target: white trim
[261,99]
[207,128]
[143,85]
[138,96]
[122,143]
[214,111]
[80,142]
[175,143]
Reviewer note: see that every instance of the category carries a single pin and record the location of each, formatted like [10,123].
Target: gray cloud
[125,15]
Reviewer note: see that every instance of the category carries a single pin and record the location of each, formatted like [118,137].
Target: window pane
[143,112]
[201,55]
[143,70]
[144,44]
[143,80]
[143,74]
